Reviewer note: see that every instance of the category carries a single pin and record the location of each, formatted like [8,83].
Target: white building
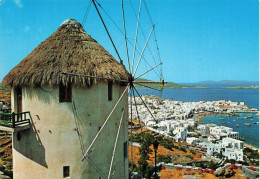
[192,140]
[180,134]
[233,149]
[234,154]
[232,143]
[205,128]
[223,131]
[211,148]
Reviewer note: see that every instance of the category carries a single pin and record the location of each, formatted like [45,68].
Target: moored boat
[247,124]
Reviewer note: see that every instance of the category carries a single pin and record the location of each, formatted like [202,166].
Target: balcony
[14,122]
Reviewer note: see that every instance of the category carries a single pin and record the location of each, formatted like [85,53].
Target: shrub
[155,127]
[200,171]
[166,159]
[233,166]
[252,168]
[178,168]
[189,156]
[253,154]
[166,143]
[193,152]
[211,171]
[188,169]
[144,169]
[183,149]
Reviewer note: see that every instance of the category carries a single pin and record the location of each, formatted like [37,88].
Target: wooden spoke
[131,116]
[107,31]
[139,12]
[113,154]
[148,71]
[143,50]
[137,112]
[148,87]
[125,37]
[145,105]
[86,153]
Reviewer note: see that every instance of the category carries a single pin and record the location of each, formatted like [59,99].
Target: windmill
[57,102]
[132,66]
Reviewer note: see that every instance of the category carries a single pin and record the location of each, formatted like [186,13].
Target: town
[180,121]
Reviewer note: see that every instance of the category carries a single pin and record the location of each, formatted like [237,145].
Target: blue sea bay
[249,96]
[249,133]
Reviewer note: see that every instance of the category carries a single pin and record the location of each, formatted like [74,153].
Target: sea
[249,96]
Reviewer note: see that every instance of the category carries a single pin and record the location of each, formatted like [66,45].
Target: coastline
[199,117]
[250,146]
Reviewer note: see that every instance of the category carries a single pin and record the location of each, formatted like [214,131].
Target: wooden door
[19,99]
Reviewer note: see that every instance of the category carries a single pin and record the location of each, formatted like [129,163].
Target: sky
[198,40]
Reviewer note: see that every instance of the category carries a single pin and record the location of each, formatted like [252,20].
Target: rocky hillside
[5,155]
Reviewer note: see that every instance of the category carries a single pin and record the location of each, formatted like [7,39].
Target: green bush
[162,158]
[144,169]
[183,149]
[166,143]
[252,154]
[189,156]
[193,152]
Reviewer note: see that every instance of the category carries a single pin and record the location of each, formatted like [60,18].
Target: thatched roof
[68,50]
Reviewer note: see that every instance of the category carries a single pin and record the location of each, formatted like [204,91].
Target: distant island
[224,84]
[244,87]
[166,85]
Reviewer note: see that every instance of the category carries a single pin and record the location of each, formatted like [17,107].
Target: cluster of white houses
[220,139]
[177,120]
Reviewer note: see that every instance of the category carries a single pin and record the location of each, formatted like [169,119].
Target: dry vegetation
[5,95]
[6,153]
[225,106]
[166,174]
[176,154]
[68,50]
[5,147]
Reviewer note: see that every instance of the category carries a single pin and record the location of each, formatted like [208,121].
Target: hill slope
[166,85]
[223,83]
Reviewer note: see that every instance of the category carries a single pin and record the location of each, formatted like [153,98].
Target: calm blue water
[249,133]
[249,96]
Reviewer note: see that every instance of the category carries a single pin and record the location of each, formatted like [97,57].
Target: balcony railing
[14,120]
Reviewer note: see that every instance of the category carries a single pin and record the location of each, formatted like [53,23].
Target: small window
[65,93]
[125,149]
[19,136]
[110,87]
[66,171]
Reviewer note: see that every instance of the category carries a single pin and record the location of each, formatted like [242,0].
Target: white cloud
[26,28]
[1,2]
[18,3]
